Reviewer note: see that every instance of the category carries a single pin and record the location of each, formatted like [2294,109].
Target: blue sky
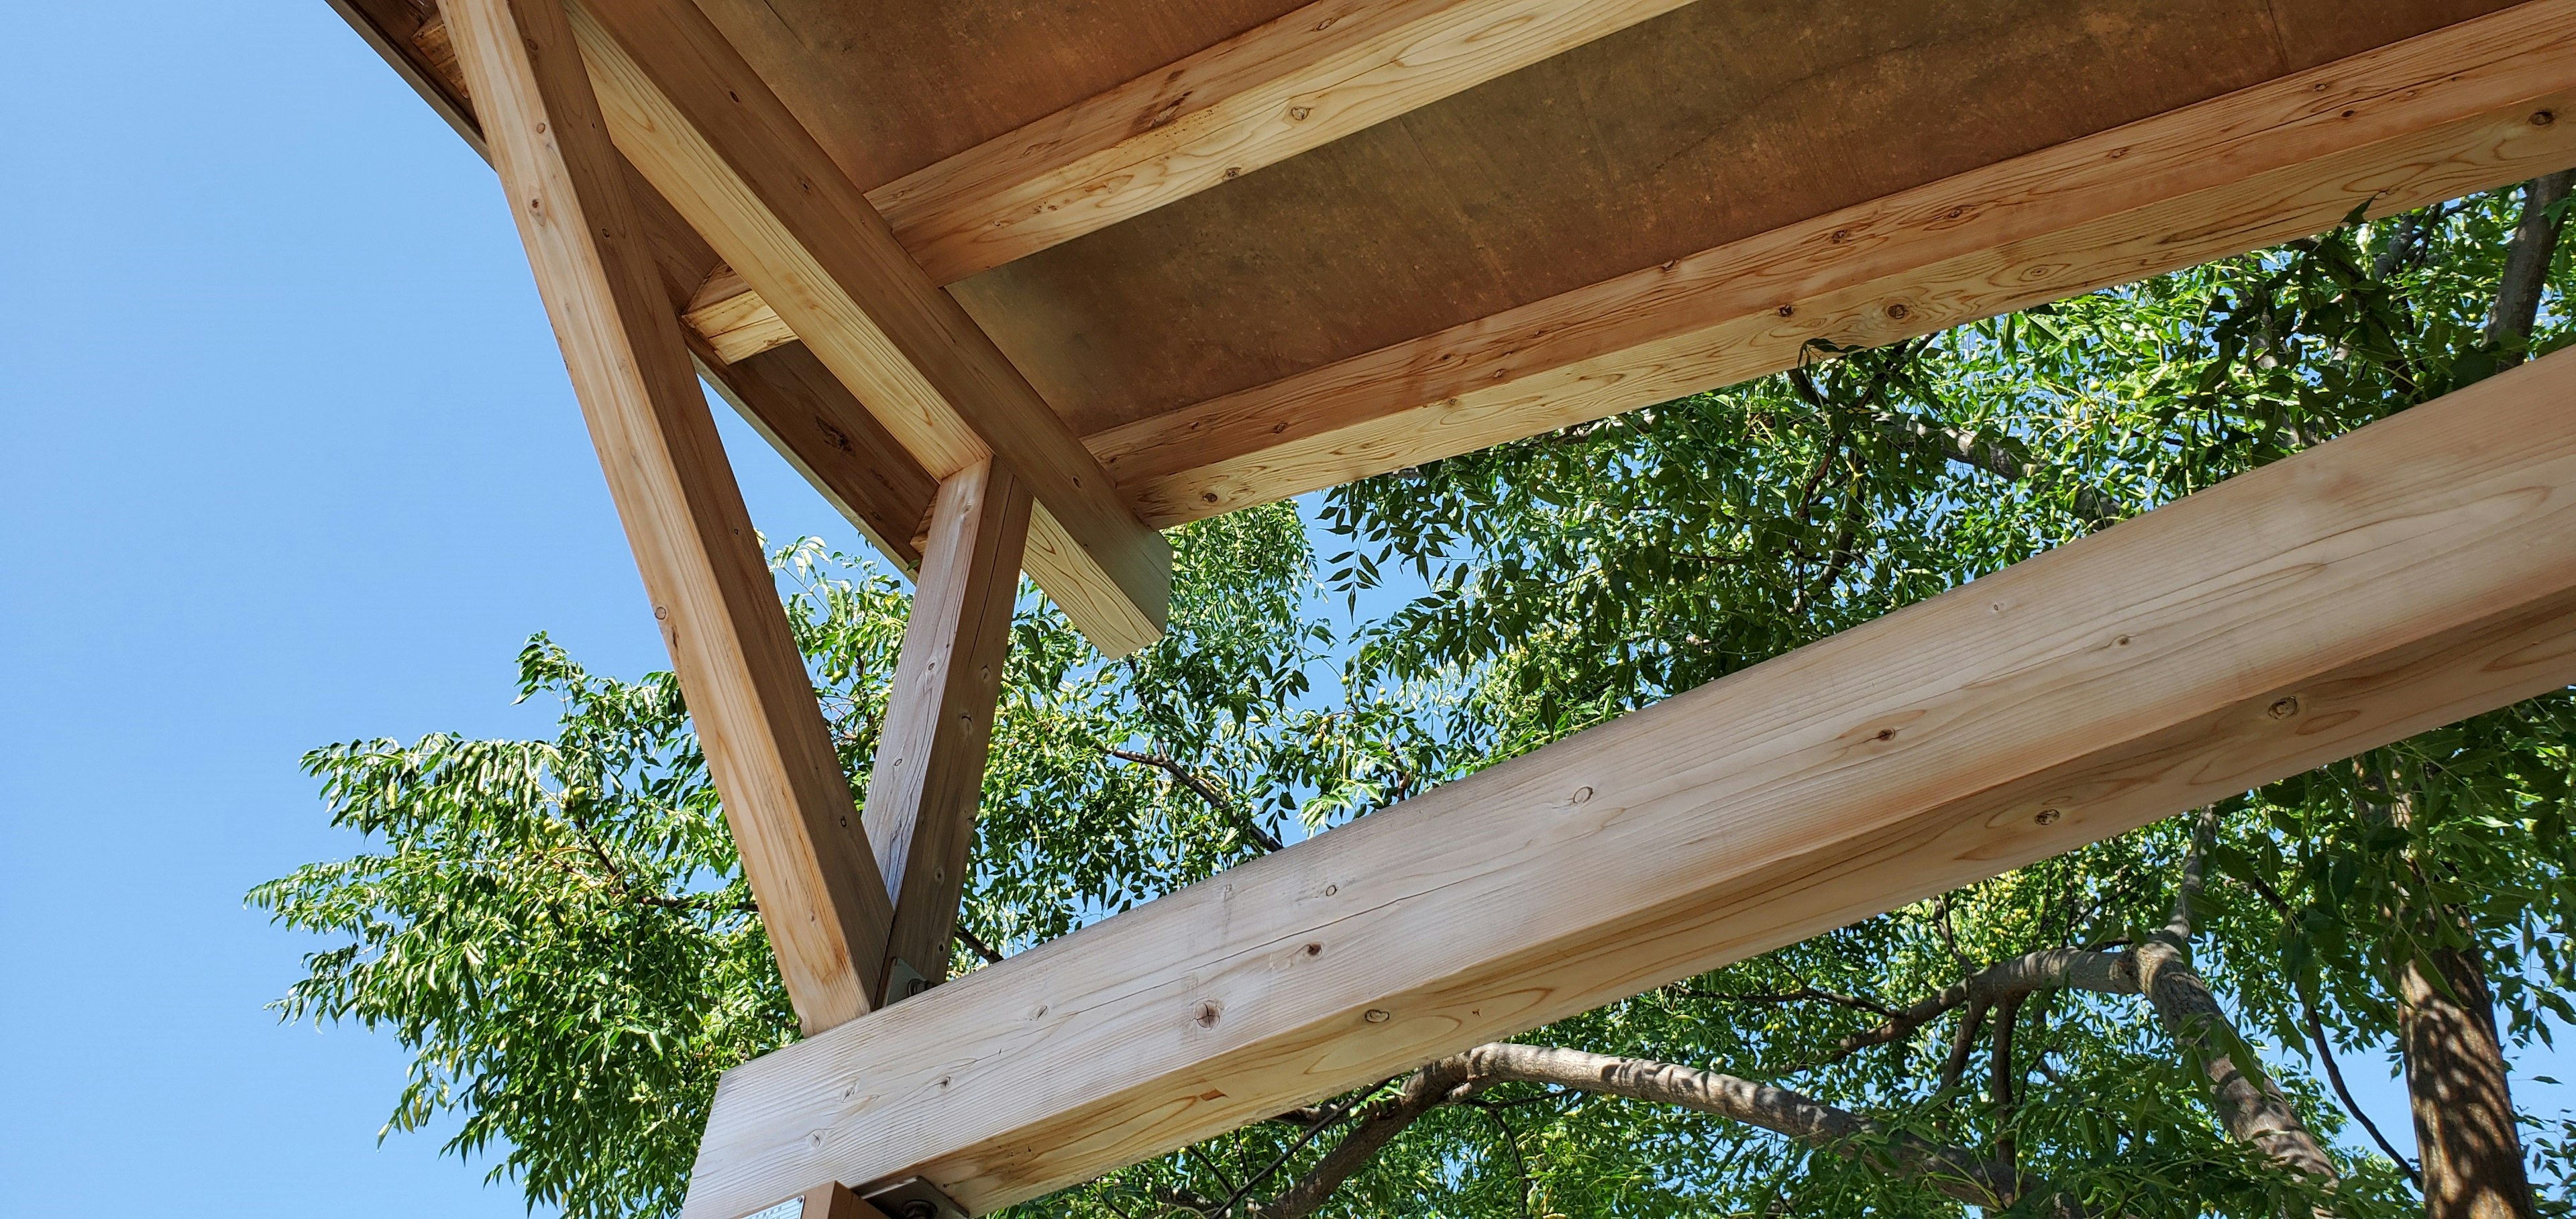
[289,459]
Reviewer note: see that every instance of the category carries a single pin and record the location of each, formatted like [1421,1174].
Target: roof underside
[1708,124]
[1379,299]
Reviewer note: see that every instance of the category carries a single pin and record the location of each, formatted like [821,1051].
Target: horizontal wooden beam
[2409,574]
[1293,84]
[721,147]
[753,704]
[1303,80]
[2460,109]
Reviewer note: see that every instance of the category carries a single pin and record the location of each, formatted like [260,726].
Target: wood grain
[749,696]
[1307,78]
[807,414]
[733,320]
[929,776]
[1709,125]
[844,453]
[2409,574]
[718,144]
[2430,118]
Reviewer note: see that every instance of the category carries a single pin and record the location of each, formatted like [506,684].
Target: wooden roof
[1016,284]
[1086,181]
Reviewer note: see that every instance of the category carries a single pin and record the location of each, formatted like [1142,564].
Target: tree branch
[1801,995]
[2255,1114]
[975,944]
[1951,1171]
[2526,267]
[1426,1090]
[2046,969]
[1216,797]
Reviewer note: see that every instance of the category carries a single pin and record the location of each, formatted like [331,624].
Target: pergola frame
[896,330]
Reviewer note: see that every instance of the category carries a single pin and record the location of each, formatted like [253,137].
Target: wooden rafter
[843,452]
[2412,573]
[749,696]
[807,414]
[1310,77]
[2430,118]
[929,774]
[710,135]
[1303,80]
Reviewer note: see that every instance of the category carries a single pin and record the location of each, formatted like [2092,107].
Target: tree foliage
[559,931]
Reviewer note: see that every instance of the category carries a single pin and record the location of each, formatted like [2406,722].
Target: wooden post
[749,695]
[930,759]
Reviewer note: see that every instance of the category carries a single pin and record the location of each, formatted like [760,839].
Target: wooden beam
[766,744]
[2414,572]
[724,150]
[1308,78]
[923,795]
[844,453]
[1303,80]
[732,318]
[2433,117]
[804,412]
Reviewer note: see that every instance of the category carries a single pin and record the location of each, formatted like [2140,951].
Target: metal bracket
[912,1198]
[793,1208]
[903,981]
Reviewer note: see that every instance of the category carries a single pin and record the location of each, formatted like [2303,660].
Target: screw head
[2282,708]
[2047,816]
[1379,1015]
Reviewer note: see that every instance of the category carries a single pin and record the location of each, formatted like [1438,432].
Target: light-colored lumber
[1310,77]
[2436,116]
[929,774]
[749,696]
[733,320]
[719,145]
[794,402]
[2409,574]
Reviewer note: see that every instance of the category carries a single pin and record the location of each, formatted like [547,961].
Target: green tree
[2149,1026]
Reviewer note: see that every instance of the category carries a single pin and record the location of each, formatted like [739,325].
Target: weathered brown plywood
[2412,573]
[1705,126]
[2432,117]
[890,86]
[1294,84]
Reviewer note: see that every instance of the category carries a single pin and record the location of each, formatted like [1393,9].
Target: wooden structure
[1016,287]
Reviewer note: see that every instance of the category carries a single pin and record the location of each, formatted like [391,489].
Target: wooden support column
[930,759]
[2407,575]
[749,695]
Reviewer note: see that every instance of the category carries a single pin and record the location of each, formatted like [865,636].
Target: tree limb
[2046,969]
[1216,797]
[2255,1114]
[2526,267]
[975,944]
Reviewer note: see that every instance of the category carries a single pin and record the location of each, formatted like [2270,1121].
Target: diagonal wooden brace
[930,760]
[766,743]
